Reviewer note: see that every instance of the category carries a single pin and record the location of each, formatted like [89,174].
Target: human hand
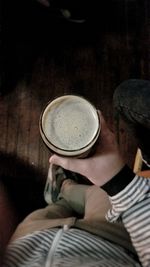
[103,165]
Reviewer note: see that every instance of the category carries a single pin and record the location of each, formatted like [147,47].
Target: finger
[71,164]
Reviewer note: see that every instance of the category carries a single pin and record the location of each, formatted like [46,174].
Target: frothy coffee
[70,123]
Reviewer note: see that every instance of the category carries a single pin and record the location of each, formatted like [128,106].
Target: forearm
[131,202]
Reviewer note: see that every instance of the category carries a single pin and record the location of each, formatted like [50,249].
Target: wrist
[118,182]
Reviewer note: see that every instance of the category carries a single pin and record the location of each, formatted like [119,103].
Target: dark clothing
[132,103]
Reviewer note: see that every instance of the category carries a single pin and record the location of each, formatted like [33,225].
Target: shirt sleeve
[132,206]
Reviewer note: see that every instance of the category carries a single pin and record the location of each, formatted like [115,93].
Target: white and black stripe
[75,248]
[78,248]
[133,205]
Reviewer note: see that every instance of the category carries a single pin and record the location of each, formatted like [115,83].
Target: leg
[89,201]
[132,103]
[96,203]
[60,209]
[63,184]
[75,195]
[96,206]
[56,214]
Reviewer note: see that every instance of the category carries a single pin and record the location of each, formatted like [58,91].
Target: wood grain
[46,57]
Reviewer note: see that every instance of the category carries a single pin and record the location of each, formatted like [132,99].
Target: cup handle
[49,181]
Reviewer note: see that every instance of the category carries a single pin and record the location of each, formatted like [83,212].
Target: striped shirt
[77,248]
[133,206]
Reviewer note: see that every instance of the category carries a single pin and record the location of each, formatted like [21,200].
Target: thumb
[71,164]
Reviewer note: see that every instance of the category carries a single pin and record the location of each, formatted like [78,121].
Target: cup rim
[68,152]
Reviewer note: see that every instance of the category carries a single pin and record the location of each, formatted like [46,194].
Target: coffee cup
[70,126]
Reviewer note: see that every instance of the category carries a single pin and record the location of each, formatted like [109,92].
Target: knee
[132,93]
[125,92]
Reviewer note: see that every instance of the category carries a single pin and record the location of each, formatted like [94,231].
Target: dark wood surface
[45,57]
